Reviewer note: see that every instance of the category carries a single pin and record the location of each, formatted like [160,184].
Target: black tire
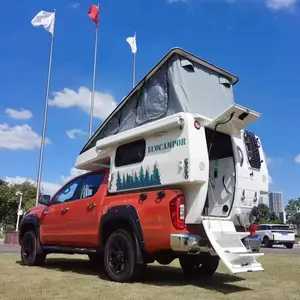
[203,265]
[289,245]
[255,250]
[31,254]
[267,242]
[120,259]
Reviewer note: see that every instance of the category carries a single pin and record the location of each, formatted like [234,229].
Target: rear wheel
[30,247]
[120,260]
[267,242]
[289,245]
[199,265]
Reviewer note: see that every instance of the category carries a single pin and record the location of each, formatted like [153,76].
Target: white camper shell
[180,128]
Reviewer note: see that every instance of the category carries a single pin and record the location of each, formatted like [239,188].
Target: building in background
[282,216]
[276,202]
[264,199]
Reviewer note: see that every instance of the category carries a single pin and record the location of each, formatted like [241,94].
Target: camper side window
[130,153]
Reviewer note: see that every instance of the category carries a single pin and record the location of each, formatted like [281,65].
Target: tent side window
[153,102]
[130,153]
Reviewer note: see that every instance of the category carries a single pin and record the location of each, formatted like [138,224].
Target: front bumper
[190,244]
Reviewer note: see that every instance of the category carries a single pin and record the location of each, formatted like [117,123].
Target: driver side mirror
[45,200]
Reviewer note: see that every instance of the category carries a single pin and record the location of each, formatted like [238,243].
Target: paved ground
[9,249]
[274,249]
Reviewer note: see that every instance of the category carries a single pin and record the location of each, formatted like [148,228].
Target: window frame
[59,193]
[84,184]
[118,162]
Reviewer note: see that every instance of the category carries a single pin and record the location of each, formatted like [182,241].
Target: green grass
[1,236]
[73,277]
[297,238]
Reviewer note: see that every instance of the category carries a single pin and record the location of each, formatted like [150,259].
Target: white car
[276,234]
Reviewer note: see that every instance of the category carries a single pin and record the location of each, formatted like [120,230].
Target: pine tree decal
[141,177]
[124,182]
[119,181]
[136,180]
[155,177]
[147,178]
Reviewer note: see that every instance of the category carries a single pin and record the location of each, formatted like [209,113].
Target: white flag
[45,19]
[132,42]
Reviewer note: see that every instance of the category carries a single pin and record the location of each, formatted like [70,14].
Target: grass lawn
[73,277]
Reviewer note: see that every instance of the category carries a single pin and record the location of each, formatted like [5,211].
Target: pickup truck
[125,232]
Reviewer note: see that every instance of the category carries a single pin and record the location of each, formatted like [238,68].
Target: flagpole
[133,73]
[45,120]
[94,78]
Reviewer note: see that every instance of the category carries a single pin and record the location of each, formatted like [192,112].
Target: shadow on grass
[155,275]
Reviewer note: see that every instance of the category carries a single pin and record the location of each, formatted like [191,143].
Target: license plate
[284,233]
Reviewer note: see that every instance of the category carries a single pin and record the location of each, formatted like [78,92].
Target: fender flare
[124,213]
[31,221]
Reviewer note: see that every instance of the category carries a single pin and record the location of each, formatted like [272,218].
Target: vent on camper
[252,148]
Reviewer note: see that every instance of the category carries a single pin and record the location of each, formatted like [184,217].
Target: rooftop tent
[180,82]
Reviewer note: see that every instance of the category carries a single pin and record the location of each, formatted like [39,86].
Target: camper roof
[183,53]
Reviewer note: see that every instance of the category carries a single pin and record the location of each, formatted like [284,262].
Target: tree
[264,211]
[9,201]
[135,180]
[155,177]
[141,176]
[119,181]
[292,211]
[147,177]
[266,216]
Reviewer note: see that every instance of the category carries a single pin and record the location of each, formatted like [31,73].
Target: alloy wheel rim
[28,248]
[117,256]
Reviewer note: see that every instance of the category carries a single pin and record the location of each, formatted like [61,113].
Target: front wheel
[120,260]
[289,245]
[30,255]
[199,265]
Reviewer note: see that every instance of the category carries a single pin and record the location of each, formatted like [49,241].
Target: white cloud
[280,4]
[73,132]
[75,5]
[274,5]
[49,188]
[19,137]
[73,173]
[297,159]
[19,114]
[104,103]
[270,179]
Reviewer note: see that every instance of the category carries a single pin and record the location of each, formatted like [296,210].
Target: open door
[234,119]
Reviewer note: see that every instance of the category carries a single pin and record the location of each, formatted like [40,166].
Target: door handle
[65,209]
[90,205]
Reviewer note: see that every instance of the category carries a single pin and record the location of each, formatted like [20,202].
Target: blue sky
[256,40]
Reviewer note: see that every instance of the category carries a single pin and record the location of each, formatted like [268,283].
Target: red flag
[94,13]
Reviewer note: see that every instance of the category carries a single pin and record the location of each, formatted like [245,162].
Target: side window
[91,185]
[70,192]
[268,227]
[131,153]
